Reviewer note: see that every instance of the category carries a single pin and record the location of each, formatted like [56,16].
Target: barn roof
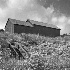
[42,24]
[31,22]
[14,21]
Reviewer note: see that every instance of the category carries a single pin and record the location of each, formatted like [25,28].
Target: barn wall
[47,31]
[37,29]
[22,29]
[57,32]
[9,27]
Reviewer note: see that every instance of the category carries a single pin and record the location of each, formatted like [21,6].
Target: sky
[56,12]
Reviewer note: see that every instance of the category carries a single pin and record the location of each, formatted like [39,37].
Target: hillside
[34,52]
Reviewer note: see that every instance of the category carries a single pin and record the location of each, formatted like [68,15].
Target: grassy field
[34,52]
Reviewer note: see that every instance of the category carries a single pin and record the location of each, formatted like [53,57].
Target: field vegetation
[34,52]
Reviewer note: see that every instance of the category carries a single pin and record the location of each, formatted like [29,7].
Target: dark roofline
[32,24]
[14,21]
[28,20]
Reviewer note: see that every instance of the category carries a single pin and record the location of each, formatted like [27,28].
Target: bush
[39,52]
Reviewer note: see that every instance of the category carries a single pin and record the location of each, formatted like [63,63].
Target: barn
[31,26]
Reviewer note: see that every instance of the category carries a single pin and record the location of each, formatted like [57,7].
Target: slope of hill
[34,52]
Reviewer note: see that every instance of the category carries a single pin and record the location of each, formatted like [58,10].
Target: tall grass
[38,52]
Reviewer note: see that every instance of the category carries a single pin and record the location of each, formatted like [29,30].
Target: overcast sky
[55,12]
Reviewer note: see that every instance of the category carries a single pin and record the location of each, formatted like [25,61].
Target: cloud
[62,22]
[23,10]
[3,3]
[62,19]
[54,19]
[18,3]
[31,9]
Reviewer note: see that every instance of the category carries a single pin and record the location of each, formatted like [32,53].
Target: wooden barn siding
[22,29]
[9,27]
[47,31]
[37,29]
